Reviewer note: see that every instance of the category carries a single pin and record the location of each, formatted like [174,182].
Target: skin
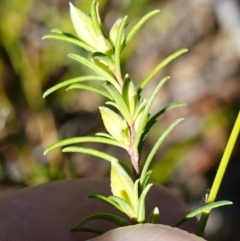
[48,212]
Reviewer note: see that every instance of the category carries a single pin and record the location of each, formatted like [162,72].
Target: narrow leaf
[162,64]
[145,179]
[90,88]
[92,152]
[101,58]
[119,101]
[71,81]
[129,95]
[141,205]
[140,108]
[139,24]
[136,195]
[145,114]
[114,124]
[153,119]
[76,140]
[83,26]
[108,201]
[113,104]
[156,146]
[96,69]
[102,134]
[121,183]
[121,202]
[205,208]
[105,216]
[122,169]
[94,17]
[118,48]
[154,217]
[67,37]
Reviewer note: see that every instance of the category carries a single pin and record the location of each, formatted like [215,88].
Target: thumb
[150,232]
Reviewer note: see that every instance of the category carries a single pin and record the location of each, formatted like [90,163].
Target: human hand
[47,212]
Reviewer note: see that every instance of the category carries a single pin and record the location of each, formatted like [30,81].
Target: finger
[49,211]
[149,232]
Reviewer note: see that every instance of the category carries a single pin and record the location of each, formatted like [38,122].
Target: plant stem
[220,173]
[133,153]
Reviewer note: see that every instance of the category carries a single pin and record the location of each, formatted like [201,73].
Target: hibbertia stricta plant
[125,114]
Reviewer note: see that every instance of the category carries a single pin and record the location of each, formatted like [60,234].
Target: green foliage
[205,208]
[128,123]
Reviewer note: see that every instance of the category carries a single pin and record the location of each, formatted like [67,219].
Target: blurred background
[207,78]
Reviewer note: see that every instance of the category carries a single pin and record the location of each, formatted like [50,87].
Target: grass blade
[220,173]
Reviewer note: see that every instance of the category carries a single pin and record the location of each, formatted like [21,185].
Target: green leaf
[75,140]
[141,205]
[103,44]
[145,114]
[115,125]
[67,37]
[95,19]
[136,195]
[154,217]
[105,216]
[156,146]
[130,95]
[139,111]
[119,101]
[153,119]
[92,152]
[83,26]
[118,48]
[162,64]
[121,202]
[96,69]
[139,24]
[205,208]
[100,21]
[102,134]
[145,178]
[121,183]
[99,57]
[119,166]
[71,81]
[108,201]
[113,104]
[93,89]
[113,32]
